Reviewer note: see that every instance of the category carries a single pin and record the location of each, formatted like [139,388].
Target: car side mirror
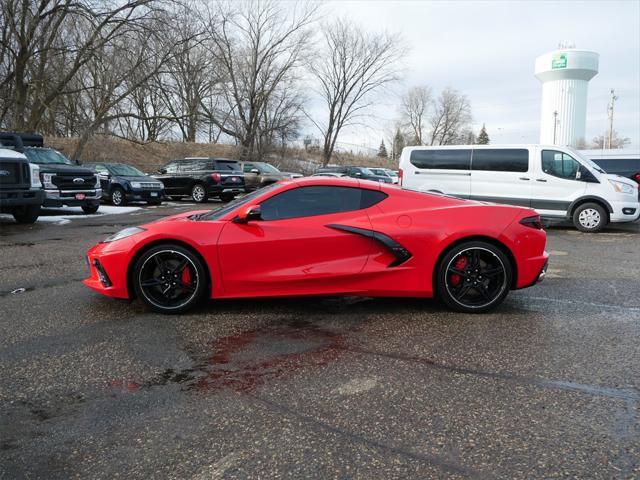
[162,170]
[255,170]
[246,214]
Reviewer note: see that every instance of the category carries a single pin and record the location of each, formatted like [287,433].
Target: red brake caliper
[186,276]
[460,264]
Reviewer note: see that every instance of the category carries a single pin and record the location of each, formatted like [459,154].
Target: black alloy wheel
[474,277]
[169,278]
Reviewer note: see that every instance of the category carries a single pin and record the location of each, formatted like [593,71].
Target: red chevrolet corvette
[327,236]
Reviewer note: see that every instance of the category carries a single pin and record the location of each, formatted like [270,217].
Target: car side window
[559,164]
[101,169]
[311,201]
[186,166]
[171,167]
[248,167]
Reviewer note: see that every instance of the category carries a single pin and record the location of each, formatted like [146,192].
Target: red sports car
[327,236]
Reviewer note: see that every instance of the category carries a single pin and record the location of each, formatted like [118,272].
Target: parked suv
[202,178]
[623,162]
[21,192]
[122,183]
[260,174]
[356,172]
[64,182]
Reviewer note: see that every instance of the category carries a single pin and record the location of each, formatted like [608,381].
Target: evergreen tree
[398,144]
[382,151]
[483,136]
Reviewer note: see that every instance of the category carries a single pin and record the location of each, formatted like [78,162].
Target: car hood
[144,178]
[64,169]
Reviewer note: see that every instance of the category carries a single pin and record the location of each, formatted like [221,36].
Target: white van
[556,181]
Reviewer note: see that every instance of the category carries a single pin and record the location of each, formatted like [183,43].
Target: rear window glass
[454,159]
[370,197]
[501,160]
[227,165]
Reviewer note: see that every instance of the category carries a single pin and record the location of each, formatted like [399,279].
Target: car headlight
[160,185]
[622,187]
[47,180]
[35,175]
[127,232]
[136,185]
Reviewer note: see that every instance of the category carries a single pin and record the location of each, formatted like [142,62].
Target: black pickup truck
[202,178]
[21,192]
[64,182]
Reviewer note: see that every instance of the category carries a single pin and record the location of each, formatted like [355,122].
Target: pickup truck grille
[71,182]
[13,174]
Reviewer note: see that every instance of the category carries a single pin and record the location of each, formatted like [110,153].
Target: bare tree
[602,141]
[415,104]
[352,65]
[450,118]
[258,45]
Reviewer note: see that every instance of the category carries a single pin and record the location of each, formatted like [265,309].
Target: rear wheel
[227,197]
[169,279]
[473,277]
[590,218]
[89,209]
[199,193]
[26,213]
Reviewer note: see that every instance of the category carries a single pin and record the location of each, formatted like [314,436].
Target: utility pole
[610,110]
[555,125]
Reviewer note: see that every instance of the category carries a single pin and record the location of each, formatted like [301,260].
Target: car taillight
[400,177]
[636,177]
[216,177]
[533,222]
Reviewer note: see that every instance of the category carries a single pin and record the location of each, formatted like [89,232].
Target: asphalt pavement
[547,386]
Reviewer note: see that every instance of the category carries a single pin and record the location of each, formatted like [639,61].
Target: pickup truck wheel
[118,198]
[89,209]
[227,197]
[26,213]
[199,193]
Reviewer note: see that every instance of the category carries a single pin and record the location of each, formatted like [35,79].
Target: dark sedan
[122,183]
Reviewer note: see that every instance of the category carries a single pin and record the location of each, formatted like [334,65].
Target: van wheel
[473,277]
[590,218]
[26,213]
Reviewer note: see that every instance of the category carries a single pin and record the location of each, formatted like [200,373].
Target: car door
[187,172]
[168,178]
[502,175]
[555,186]
[251,176]
[294,249]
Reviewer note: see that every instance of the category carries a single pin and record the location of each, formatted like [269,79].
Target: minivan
[556,181]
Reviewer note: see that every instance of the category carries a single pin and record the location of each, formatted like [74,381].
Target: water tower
[565,75]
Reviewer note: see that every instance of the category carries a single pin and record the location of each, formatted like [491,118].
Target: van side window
[559,164]
[442,159]
[501,160]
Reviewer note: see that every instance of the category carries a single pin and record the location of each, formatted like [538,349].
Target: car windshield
[366,171]
[238,202]
[125,170]
[268,168]
[379,171]
[46,156]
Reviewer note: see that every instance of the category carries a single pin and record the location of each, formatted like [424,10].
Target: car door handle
[525,178]
[540,180]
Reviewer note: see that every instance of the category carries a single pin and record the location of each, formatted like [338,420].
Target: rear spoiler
[17,141]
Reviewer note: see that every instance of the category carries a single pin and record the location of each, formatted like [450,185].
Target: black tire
[90,209]
[590,218]
[26,213]
[199,193]
[227,197]
[118,197]
[162,267]
[473,277]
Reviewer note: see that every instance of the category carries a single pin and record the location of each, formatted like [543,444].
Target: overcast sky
[487,49]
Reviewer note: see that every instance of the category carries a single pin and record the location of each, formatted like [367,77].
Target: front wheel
[26,213]
[473,277]
[90,209]
[199,193]
[118,197]
[169,279]
[227,197]
[590,218]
